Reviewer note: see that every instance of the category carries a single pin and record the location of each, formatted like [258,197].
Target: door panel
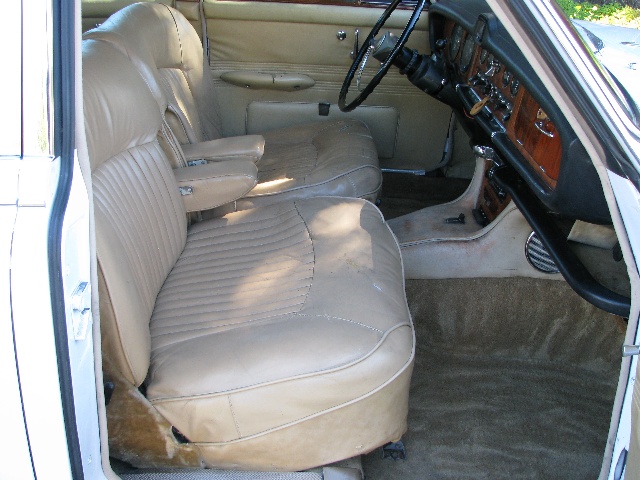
[382,121]
[288,38]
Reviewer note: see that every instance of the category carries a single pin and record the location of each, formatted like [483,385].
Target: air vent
[538,256]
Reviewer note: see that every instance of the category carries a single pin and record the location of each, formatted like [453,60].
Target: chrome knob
[485,152]
[341,35]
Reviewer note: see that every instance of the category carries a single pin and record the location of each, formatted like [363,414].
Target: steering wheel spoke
[368,46]
[363,64]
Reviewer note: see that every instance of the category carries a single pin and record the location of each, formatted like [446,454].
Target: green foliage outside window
[609,13]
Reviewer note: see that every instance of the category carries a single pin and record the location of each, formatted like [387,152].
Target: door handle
[288,82]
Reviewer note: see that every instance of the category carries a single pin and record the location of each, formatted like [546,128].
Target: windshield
[618,51]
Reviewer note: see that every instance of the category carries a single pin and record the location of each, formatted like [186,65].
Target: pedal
[394,450]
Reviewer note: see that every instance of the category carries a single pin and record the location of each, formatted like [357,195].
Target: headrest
[153,36]
[119,110]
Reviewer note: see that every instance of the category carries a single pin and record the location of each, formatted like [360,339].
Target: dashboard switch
[477,108]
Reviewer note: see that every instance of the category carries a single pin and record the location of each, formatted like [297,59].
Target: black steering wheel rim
[384,67]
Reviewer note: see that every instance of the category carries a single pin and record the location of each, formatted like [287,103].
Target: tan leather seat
[273,338]
[333,158]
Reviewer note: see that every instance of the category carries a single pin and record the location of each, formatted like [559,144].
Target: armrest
[213,184]
[246,147]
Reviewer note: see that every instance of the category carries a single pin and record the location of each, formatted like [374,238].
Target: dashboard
[537,160]
[504,104]
[495,92]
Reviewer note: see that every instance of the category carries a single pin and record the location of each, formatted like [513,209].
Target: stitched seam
[292,378]
[221,329]
[175,112]
[182,66]
[173,312]
[277,218]
[195,287]
[195,294]
[225,267]
[353,184]
[215,176]
[226,328]
[123,345]
[364,396]
[233,415]
[167,133]
[311,186]
[313,253]
[343,319]
[263,227]
[175,22]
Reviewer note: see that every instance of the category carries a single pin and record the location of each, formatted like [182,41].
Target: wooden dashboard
[495,93]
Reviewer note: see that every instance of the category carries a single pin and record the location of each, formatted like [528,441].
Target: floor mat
[491,418]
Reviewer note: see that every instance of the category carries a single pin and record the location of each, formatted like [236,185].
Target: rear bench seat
[335,158]
[273,338]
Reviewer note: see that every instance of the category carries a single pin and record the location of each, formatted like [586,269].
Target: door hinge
[630,350]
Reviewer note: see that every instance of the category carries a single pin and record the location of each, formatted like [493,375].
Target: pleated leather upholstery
[229,271]
[302,306]
[317,159]
[336,158]
[277,337]
[140,218]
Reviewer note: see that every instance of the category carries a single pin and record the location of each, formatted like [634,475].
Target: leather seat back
[167,51]
[139,215]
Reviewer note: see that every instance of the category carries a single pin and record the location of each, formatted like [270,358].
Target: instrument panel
[503,104]
[494,92]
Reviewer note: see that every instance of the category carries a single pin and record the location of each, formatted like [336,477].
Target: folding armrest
[246,147]
[213,184]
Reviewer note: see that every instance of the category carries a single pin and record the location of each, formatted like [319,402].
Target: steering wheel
[364,51]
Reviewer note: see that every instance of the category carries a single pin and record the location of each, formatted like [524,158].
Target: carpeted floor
[405,193]
[514,379]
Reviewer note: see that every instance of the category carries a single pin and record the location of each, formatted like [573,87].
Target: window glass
[37,106]
[615,49]
[10,58]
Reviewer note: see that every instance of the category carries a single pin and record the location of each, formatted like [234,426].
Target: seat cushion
[282,317]
[336,158]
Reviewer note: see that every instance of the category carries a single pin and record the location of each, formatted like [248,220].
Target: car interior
[345,239]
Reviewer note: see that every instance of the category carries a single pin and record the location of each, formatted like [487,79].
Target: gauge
[515,86]
[483,56]
[456,40]
[506,78]
[467,53]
